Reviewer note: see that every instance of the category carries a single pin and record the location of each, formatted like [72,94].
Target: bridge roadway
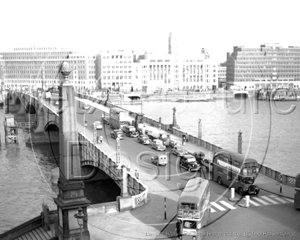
[268,217]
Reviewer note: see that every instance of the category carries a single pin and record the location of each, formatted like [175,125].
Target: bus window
[189,224]
[248,180]
[188,206]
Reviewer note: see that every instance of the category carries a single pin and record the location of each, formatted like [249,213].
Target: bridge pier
[21,109]
[40,121]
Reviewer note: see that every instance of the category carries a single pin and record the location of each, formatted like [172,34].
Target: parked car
[159,159]
[117,134]
[158,145]
[98,125]
[144,139]
[179,151]
[189,163]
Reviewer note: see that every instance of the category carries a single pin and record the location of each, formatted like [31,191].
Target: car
[159,160]
[98,125]
[117,134]
[189,163]
[200,156]
[85,107]
[172,143]
[130,131]
[132,134]
[106,120]
[179,151]
[144,139]
[158,145]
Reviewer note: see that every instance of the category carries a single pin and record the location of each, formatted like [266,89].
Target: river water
[271,138]
[25,179]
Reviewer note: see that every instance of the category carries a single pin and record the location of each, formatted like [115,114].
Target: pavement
[148,221]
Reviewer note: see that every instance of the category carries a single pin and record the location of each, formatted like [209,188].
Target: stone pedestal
[71,188]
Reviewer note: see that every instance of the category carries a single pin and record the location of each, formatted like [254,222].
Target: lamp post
[80,216]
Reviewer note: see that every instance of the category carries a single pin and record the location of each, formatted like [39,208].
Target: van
[159,159]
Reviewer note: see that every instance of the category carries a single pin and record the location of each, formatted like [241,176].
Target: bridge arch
[17,101]
[30,109]
[51,127]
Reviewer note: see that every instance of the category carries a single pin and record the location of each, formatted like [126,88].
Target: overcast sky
[217,25]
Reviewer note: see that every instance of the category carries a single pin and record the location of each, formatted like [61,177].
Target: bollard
[165,208]
[247,200]
[232,192]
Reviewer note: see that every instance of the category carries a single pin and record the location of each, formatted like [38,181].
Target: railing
[93,156]
[24,227]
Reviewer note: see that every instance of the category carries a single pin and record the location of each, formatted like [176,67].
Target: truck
[155,133]
[118,118]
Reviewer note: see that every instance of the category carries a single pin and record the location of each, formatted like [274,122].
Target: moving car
[117,134]
[130,131]
[179,151]
[85,107]
[159,159]
[189,163]
[98,125]
[144,139]
[158,145]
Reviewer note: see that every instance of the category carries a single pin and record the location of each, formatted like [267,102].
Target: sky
[143,25]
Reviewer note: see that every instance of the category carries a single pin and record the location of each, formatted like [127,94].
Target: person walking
[183,140]
[100,139]
[136,173]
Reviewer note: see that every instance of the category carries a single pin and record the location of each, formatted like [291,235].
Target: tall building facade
[37,67]
[268,66]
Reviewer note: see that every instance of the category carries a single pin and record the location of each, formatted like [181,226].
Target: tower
[173,44]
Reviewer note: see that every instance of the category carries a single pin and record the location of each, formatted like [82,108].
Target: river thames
[271,138]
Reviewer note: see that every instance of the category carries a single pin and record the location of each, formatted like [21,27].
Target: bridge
[104,157]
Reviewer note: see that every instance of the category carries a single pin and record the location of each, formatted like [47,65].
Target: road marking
[270,200]
[289,200]
[227,205]
[282,200]
[218,206]
[254,203]
[212,210]
[261,201]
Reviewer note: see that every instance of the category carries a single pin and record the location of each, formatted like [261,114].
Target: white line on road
[226,204]
[261,201]
[269,199]
[218,206]
[212,210]
[282,200]
[254,203]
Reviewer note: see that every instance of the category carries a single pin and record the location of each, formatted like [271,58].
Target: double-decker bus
[118,118]
[193,209]
[234,170]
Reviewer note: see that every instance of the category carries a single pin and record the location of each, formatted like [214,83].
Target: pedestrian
[100,139]
[183,140]
[85,124]
[186,137]
[136,173]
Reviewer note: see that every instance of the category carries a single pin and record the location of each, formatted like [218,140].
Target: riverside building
[37,67]
[268,66]
[128,70]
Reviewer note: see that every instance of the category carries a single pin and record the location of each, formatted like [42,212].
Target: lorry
[118,118]
[155,133]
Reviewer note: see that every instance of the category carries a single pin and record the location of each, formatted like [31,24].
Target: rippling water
[272,138]
[25,179]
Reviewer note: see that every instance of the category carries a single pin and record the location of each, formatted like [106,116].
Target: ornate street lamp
[80,216]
